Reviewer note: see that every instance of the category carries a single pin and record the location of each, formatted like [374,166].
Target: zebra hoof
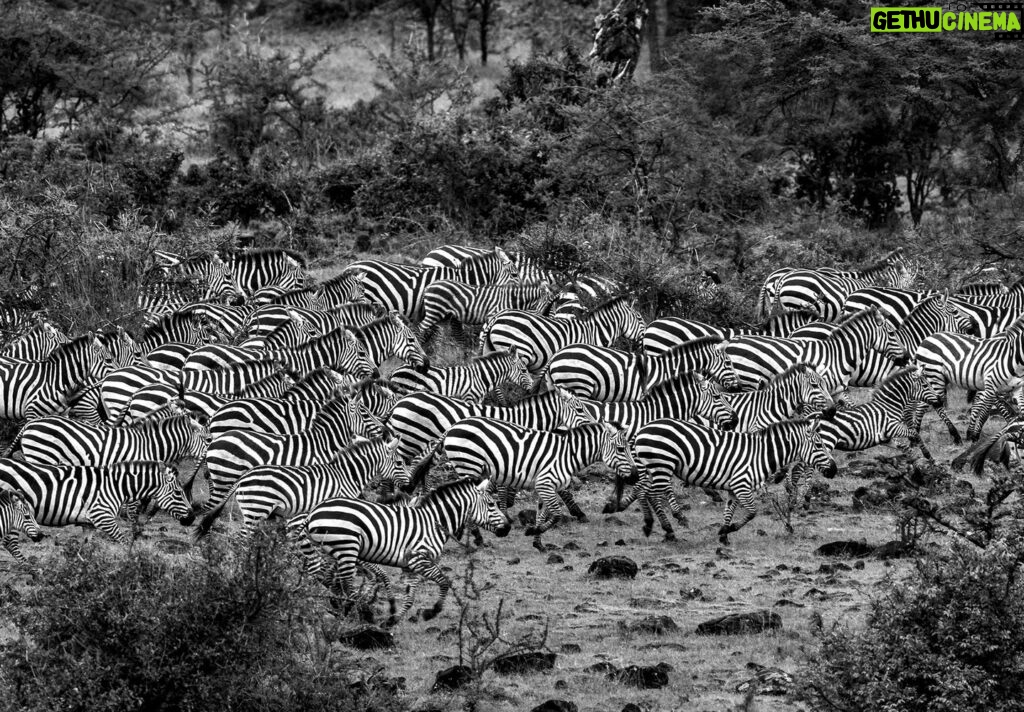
[648,528]
[582,519]
[670,536]
[391,621]
[723,536]
[539,546]
[532,531]
[429,613]
[609,508]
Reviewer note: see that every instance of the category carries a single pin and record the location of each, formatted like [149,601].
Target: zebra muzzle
[503,530]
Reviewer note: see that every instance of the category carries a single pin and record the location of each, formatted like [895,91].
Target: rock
[891,550]
[555,559]
[603,542]
[561,685]
[741,623]
[513,562]
[527,517]
[367,637]
[571,648]
[620,542]
[654,625]
[614,567]
[556,706]
[692,594]
[530,661]
[859,565]
[833,568]
[647,677]
[632,707]
[452,678]
[604,668]
[782,602]
[847,549]
[571,546]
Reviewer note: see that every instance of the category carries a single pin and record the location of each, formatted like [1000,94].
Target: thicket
[238,630]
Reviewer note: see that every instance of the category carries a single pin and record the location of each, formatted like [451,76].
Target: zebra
[285,336]
[359,533]
[339,291]
[35,344]
[689,395]
[57,440]
[934,314]
[529,269]
[826,293]
[232,453]
[288,416]
[665,333]
[981,289]
[16,516]
[606,374]
[61,495]
[224,319]
[894,303]
[969,362]
[33,389]
[305,297]
[391,336]
[401,287]
[989,320]
[1012,391]
[290,491]
[346,315]
[538,338]
[254,269]
[174,328]
[757,358]
[471,381]
[209,270]
[466,304]
[519,458]
[741,463]
[797,392]
[419,419]
[884,418]
[893,267]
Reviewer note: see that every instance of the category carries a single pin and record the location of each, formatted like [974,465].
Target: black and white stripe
[667,332]
[36,344]
[31,389]
[471,381]
[16,516]
[797,392]
[390,336]
[466,304]
[254,269]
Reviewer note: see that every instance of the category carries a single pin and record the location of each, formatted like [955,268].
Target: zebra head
[516,372]
[353,359]
[22,515]
[198,437]
[953,318]
[813,393]
[881,336]
[405,344]
[712,405]
[170,497]
[813,453]
[721,368]
[632,323]
[617,453]
[507,270]
[572,412]
[485,512]
[395,470]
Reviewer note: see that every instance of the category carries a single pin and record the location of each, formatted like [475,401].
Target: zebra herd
[272,385]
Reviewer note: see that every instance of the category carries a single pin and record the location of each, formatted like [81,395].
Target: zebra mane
[1015,329]
[681,380]
[272,251]
[441,489]
[782,424]
[165,322]
[901,374]
[691,346]
[854,319]
[797,369]
[888,261]
[487,358]
[70,346]
[332,334]
[608,303]
[811,315]
[147,424]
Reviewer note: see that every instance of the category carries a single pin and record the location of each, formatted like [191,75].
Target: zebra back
[35,344]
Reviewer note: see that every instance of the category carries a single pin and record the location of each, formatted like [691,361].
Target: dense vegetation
[763,134]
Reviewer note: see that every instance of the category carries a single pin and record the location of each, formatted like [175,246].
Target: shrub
[949,639]
[225,630]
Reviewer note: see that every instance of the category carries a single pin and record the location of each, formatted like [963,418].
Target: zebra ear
[486,486]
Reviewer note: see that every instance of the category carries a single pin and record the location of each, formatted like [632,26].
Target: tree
[428,11]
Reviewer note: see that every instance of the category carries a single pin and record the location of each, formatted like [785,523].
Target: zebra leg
[549,506]
[106,521]
[953,432]
[10,542]
[574,509]
[675,506]
[423,562]
[980,412]
[384,581]
[745,498]
[657,496]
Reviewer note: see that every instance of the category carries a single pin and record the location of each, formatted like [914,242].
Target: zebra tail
[995,449]
[211,516]
[762,302]
[16,441]
[419,472]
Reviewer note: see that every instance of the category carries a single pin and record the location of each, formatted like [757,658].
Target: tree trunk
[657,22]
[487,8]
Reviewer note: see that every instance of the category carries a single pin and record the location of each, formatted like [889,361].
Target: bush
[226,630]
[951,639]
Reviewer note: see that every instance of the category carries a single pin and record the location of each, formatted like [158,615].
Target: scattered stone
[785,602]
[891,550]
[555,559]
[762,532]
[859,565]
[556,706]
[644,602]
[692,594]
[513,561]
[561,684]
[620,542]
[833,568]
[847,549]
[817,594]
[663,646]
[632,707]
[453,678]
[741,623]
[614,567]
[367,638]
[571,546]
[527,517]
[571,648]
[603,667]
[530,661]
[567,568]
[603,542]
[645,677]
[654,625]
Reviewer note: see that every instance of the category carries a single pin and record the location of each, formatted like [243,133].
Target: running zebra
[471,381]
[758,358]
[253,269]
[420,419]
[669,331]
[32,389]
[466,304]
[263,492]
[529,269]
[34,345]
[537,338]
[932,315]
[517,458]
[61,496]
[797,392]
[16,516]
[885,418]
[356,533]
[606,374]
[62,441]
[390,336]
[401,288]
[969,362]
[741,463]
[232,454]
